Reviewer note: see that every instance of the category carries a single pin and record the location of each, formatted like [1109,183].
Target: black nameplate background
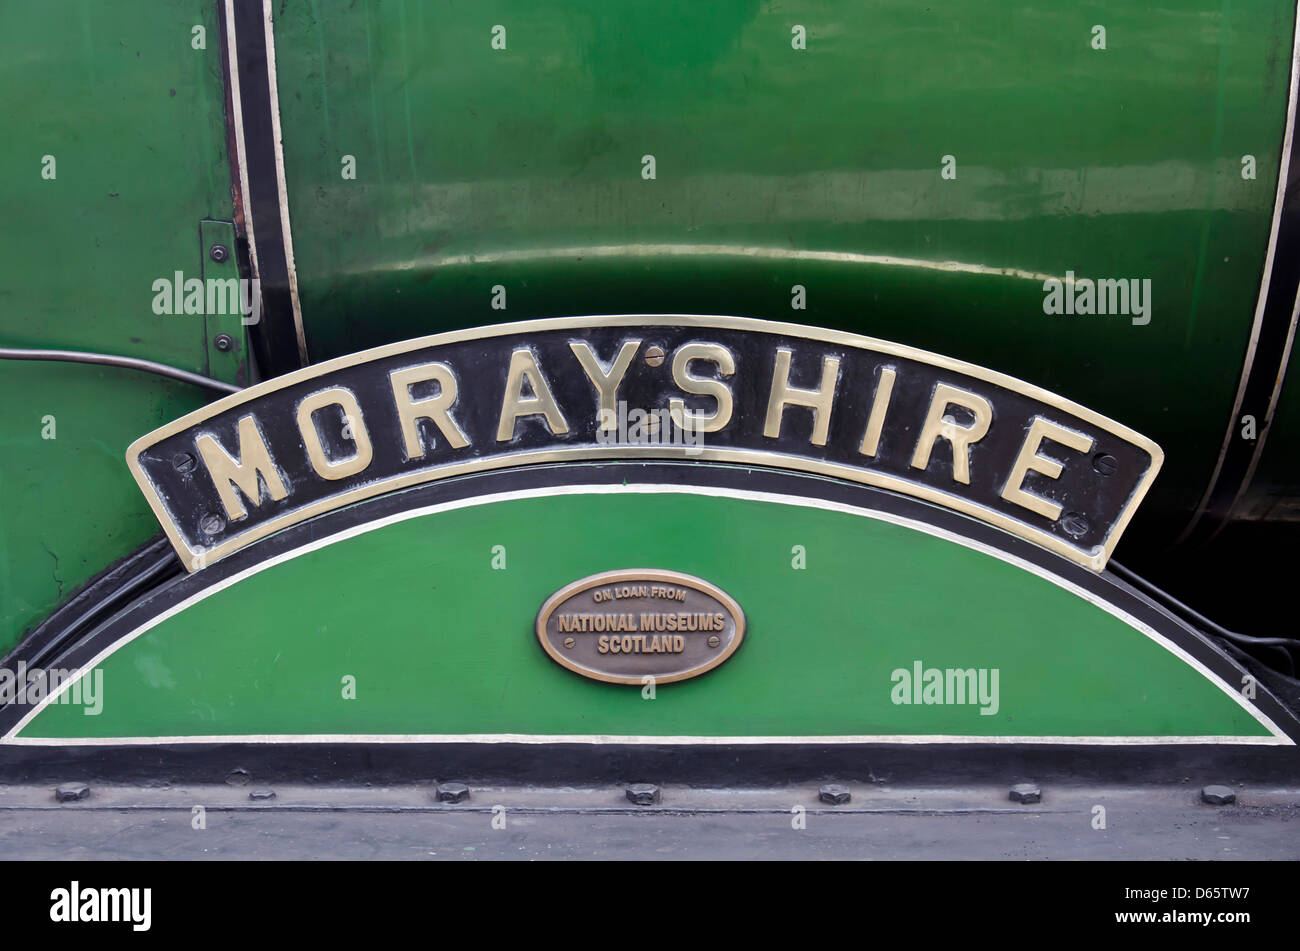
[481,367]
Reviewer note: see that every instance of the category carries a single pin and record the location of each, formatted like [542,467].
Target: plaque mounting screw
[714,641]
[218,253]
[183,462]
[1105,463]
[654,356]
[570,641]
[211,524]
[1075,523]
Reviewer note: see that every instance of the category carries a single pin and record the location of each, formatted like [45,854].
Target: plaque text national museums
[635,626]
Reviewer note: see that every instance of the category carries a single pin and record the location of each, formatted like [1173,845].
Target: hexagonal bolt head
[1218,795]
[261,795]
[218,253]
[1025,792]
[71,792]
[833,794]
[451,792]
[223,342]
[642,794]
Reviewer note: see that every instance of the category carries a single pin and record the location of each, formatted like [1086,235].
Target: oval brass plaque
[620,626]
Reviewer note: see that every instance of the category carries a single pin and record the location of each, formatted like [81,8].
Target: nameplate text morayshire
[706,390]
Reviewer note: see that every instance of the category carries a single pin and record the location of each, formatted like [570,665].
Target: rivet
[238,777]
[1025,792]
[833,794]
[71,792]
[654,356]
[218,253]
[643,794]
[451,792]
[1218,795]
[258,795]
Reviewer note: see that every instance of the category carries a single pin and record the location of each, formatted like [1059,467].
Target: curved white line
[1277,738]
[1268,417]
[278,142]
[237,114]
[1251,347]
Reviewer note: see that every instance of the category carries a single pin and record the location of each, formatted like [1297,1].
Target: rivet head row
[451,792]
[71,792]
[834,794]
[1025,792]
[643,794]
[1218,795]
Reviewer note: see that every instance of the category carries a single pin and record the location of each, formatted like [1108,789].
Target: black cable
[1282,643]
[128,363]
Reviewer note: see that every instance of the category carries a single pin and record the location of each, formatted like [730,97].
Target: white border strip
[283,189]
[601,739]
[1277,738]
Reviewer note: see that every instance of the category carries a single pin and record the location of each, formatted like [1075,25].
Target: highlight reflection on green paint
[440,642]
[521,167]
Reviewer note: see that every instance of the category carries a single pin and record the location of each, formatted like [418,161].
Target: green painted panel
[67,505]
[132,115]
[522,167]
[440,642]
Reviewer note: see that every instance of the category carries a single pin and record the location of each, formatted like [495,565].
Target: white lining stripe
[286,233]
[1272,407]
[237,112]
[1249,362]
[1277,738]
